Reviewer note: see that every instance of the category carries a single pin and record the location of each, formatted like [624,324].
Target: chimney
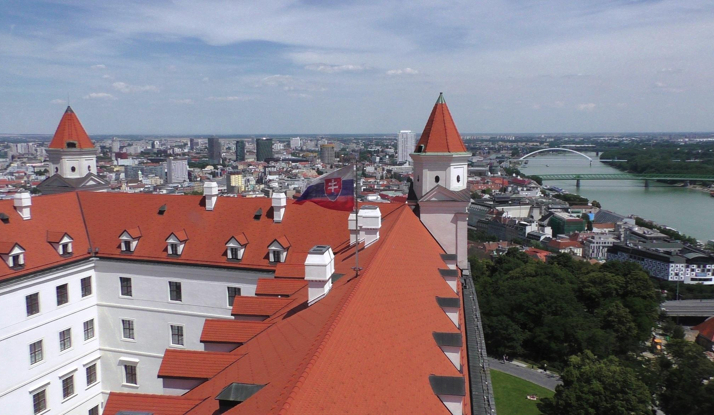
[370,220]
[279,203]
[210,191]
[354,233]
[23,201]
[319,267]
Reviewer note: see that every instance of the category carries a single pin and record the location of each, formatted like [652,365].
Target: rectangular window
[62,294]
[66,249]
[94,411]
[88,329]
[126,246]
[39,402]
[233,252]
[32,302]
[36,352]
[177,335]
[86,286]
[173,249]
[174,291]
[130,375]
[276,256]
[15,261]
[233,292]
[125,286]
[65,339]
[91,372]
[127,329]
[68,386]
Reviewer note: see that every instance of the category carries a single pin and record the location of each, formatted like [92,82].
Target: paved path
[548,381]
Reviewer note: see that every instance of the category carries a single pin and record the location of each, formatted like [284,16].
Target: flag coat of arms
[332,191]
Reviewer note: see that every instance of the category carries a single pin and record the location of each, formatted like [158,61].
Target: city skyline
[291,67]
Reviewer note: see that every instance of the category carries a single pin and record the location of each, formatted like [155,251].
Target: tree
[598,387]
[596,204]
[687,388]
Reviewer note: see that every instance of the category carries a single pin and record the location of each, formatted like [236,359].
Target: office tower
[176,171]
[327,153]
[295,142]
[263,149]
[234,183]
[405,145]
[192,144]
[214,150]
[240,150]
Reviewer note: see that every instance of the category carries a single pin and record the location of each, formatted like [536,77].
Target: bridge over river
[626,176]
[689,308]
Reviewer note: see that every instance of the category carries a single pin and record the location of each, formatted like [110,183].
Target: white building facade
[406,141]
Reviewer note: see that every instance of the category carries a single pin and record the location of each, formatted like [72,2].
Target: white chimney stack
[279,203]
[370,220]
[210,191]
[351,223]
[23,201]
[319,267]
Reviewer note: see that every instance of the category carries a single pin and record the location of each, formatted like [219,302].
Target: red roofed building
[175,308]
[705,338]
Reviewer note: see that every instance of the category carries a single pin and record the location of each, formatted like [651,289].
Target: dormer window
[278,250]
[129,239]
[235,247]
[61,242]
[13,254]
[176,242]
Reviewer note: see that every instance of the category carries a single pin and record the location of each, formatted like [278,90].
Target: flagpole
[357,268]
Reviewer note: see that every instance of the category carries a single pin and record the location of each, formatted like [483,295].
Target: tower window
[56,169]
[74,169]
[437,179]
[89,168]
[71,144]
[458,179]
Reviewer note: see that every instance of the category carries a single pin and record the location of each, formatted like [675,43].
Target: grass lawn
[510,393]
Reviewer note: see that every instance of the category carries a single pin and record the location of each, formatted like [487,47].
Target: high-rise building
[192,144]
[176,171]
[263,149]
[240,150]
[214,150]
[295,142]
[327,153]
[234,183]
[405,146]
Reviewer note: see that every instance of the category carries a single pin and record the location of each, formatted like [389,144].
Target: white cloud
[661,86]
[325,68]
[586,107]
[289,83]
[126,88]
[186,101]
[100,95]
[229,98]
[405,71]
[98,67]
[58,101]
[107,77]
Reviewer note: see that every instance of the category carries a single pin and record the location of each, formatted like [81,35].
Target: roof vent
[451,276]
[319,267]
[450,344]
[234,394]
[162,210]
[258,214]
[451,390]
[23,201]
[370,220]
[451,307]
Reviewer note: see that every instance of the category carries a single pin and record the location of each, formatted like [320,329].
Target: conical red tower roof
[70,133]
[440,134]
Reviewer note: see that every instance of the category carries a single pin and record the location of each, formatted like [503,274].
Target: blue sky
[316,66]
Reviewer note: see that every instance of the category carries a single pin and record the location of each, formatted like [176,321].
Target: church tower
[72,154]
[440,182]
[73,159]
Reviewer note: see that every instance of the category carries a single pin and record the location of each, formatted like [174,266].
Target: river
[689,211]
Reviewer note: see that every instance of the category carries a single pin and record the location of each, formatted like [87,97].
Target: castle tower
[72,154]
[440,182]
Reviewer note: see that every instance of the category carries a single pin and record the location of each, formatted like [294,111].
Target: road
[689,308]
[548,381]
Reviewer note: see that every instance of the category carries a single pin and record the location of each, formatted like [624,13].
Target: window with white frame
[66,248]
[127,329]
[276,255]
[175,291]
[62,294]
[39,402]
[32,303]
[277,252]
[65,339]
[36,352]
[125,284]
[86,284]
[88,329]
[235,247]
[129,239]
[91,374]
[14,257]
[94,411]
[176,243]
[176,335]
[67,386]
[130,375]
[233,292]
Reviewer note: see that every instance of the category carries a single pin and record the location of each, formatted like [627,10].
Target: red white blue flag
[332,191]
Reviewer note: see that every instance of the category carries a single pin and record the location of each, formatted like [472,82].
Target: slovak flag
[332,191]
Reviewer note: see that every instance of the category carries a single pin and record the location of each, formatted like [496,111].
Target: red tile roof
[55,237]
[7,247]
[240,238]
[70,130]
[279,287]
[155,404]
[180,235]
[440,134]
[231,331]
[283,241]
[194,364]
[706,329]
[258,306]
[133,232]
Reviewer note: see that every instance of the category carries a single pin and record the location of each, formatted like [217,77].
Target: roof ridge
[340,312]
